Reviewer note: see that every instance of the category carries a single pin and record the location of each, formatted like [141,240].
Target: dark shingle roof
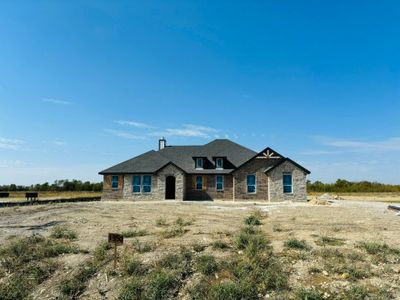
[182,157]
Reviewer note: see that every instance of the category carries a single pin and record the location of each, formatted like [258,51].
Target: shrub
[162,285]
[174,232]
[244,237]
[206,264]
[219,245]
[161,221]
[142,247]
[198,247]
[252,220]
[134,233]
[134,267]
[376,248]
[181,222]
[230,290]
[63,232]
[171,261]
[330,241]
[75,286]
[131,290]
[356,292]
[296,244]
[101,251]
[309,294]
[199,291]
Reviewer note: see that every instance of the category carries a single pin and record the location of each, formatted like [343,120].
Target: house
[220,169]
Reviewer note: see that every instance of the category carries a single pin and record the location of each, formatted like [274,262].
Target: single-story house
[220,169]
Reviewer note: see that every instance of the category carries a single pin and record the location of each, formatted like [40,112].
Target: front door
[170,187]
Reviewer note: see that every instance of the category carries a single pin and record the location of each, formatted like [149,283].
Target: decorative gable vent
[268,154]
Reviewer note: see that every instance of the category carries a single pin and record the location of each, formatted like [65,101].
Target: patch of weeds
[63,232]
[382,252]
[134,267]
[348,270]
[219,245]
[132,290]
[206,264]
[171,261]
[245,236]
[309,294]
[314,270]
[161,221]
[253,220]
[162,284]
[142,247]
[332,254]
[75,286]
[329,241]
[134,233]
[294,243]
[356,292]
[200,290]
[198,247]
[229,290]
[174,232]
[21,284]
[181,222]
[101,252]
[19,252]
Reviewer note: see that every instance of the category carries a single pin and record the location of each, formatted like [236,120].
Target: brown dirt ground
[348,220]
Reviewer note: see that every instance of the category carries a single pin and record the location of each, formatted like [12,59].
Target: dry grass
[199,251]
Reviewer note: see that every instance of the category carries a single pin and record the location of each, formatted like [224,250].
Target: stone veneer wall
[209,191]
[158,185]
[299,183]
[255,166]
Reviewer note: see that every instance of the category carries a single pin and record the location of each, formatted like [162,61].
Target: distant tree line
[64,185]
[344,186]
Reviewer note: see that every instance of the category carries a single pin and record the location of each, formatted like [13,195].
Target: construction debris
[318,201]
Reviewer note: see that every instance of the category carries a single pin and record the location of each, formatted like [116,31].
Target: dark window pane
[287,179]
[251,189]
[251,179]
[287,188]
[146,180]
[136,180]
[147,188]
[136,188]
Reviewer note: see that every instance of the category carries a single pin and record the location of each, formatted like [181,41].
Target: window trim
[140,184]
[143,185]
[112,181]
[222,163]
[255,184]
[216,183]
[195,186]
[199,159]
[291,183]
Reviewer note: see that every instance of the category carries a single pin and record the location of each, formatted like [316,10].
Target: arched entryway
[170,187]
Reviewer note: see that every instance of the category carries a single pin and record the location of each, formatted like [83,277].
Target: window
[199,163]
[287,183]
[220,183]
[136,184]
[146,184]
[251,184]
[114,182]
[199,182]
[219,163]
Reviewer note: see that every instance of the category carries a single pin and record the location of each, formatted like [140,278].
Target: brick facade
[209,190]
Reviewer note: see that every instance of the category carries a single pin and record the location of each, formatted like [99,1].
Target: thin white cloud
[56,142]
[123,134]
[12,144]
[387,145]
[56,101]
[135,124]
[188,130]
[13,163]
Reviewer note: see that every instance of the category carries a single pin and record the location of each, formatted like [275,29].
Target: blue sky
[87,84]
